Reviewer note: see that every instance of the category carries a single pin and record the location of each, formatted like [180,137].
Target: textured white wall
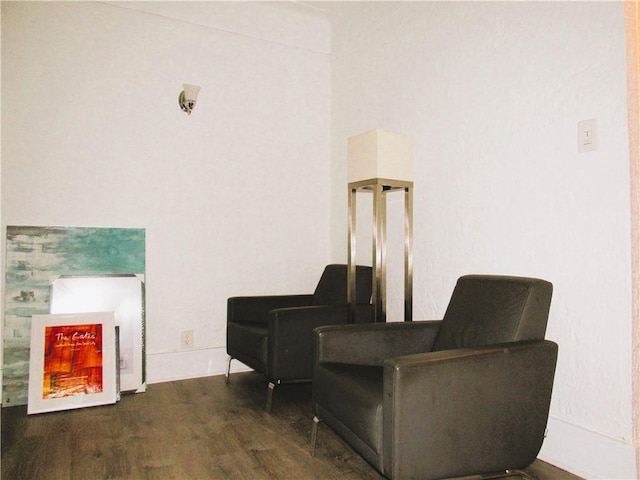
[234,198]
[492,92]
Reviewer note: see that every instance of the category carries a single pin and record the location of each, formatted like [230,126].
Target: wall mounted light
[188,96]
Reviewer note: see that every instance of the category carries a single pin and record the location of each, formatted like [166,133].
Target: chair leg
[269,403]
[226,375]
[314,434]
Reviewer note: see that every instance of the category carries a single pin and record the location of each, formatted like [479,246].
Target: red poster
[73,362]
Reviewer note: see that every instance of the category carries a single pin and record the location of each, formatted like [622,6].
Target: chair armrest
[291,338]
[372,344]
[256,308]
[491,403]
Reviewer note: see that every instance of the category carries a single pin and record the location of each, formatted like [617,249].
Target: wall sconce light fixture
[188,96]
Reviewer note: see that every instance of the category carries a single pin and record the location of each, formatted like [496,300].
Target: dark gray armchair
[429,400]
[274,334]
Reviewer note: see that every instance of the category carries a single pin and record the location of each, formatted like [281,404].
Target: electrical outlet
[187,340]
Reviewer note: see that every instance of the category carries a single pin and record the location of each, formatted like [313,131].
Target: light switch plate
[587,135]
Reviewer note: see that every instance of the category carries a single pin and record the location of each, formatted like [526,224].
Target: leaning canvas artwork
[121,294]
[72,362]
[35,257]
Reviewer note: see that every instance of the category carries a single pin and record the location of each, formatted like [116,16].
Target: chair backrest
[332,287]
[492,309]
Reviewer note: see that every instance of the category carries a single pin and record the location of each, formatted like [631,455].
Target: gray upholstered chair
[466,395]
[274,334]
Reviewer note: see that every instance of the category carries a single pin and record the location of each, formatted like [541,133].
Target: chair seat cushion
[248,342]
[353,395]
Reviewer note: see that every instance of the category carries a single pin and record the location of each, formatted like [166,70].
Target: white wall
[492,93]
[239,197]
[234,198]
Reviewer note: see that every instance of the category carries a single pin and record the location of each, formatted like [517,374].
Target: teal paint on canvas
[35,256]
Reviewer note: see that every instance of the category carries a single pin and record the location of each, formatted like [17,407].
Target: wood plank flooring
[189,429]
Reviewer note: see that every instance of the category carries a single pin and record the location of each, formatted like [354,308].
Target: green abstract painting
[35,257]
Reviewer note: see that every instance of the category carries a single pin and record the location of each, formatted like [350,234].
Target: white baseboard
[588,454]
[180,365]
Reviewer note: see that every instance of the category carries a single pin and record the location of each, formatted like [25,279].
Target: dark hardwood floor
[189,429]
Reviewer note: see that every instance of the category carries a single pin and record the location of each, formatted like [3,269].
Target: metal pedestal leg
[269,403]
[314,435]
[226,375]
[380,187]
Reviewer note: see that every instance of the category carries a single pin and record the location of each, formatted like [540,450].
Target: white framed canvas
[72,361]
[121,294]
